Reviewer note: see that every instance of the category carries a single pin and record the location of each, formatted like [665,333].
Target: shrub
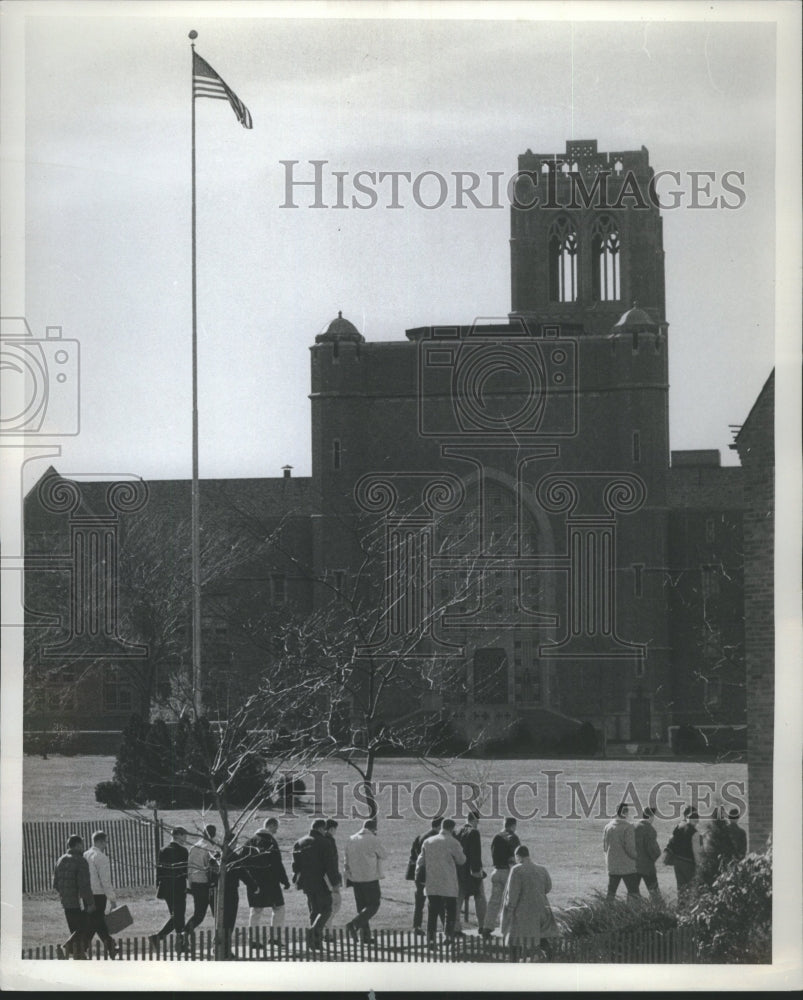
[56,739]
[129,767]
[599,915]
[732,917]
[109,793]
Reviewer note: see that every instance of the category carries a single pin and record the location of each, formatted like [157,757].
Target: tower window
[638,584]
[336,453]
[636,446]
[606,248]
[710,534]
[563,261]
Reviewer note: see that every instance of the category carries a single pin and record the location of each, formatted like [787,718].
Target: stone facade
[755,444]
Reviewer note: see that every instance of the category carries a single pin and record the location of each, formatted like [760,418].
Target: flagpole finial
[193,35]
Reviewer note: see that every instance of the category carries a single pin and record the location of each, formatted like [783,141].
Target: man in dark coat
[236,871]
[737,834]
[471,874]
[503,849]
[263,862]
[415,850]
[171,885]
[315,872]
[71,881]
[647,853]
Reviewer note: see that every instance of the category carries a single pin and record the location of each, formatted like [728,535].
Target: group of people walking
[445,864]
[631,851]
[447,869]
[84,877]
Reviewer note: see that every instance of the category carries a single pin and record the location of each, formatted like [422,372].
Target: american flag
[207,83]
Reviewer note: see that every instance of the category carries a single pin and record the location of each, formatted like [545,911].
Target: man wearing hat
[171,885]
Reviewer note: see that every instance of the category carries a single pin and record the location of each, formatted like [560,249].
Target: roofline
[759,397]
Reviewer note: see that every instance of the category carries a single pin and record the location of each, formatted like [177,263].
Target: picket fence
[133,847]
[674,946]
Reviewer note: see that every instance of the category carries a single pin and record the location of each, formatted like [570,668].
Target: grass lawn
[62,788]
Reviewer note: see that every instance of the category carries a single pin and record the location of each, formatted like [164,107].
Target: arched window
[562,261]
[605,249]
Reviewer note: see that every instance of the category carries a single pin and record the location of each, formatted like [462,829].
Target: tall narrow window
[605,248]
[336,453]
[563,261]
[636,446]
[638,585]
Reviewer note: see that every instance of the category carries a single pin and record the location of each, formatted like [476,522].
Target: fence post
[157,834]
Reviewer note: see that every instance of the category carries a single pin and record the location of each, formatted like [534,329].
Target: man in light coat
[437,863]
[619,844]
[200,876]
[363,867]
[100,879]
[527,918]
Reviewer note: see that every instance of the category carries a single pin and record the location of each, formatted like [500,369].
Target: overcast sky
[108,207]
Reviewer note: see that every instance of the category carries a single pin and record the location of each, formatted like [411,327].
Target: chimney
[287,470]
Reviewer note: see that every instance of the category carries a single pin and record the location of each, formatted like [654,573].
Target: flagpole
[197,676]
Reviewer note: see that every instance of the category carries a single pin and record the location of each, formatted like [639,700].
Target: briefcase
[118,919]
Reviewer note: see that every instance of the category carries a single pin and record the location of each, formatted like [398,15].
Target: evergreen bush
[732,917]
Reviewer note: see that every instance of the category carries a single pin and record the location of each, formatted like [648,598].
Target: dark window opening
[117,693]
[605,248]
[563,250]
[636,446]
[336,452]
[637,579]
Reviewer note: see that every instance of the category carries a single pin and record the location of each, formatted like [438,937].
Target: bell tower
[586,237]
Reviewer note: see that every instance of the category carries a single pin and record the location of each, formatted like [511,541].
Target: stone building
[534,541]
[755,444]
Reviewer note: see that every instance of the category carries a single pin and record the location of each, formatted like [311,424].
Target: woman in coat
[526,914]
[263,862]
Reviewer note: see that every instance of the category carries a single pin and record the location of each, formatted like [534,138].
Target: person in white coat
[527,918]
[437,864]
[619,844]
[100,878]
[363,868]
